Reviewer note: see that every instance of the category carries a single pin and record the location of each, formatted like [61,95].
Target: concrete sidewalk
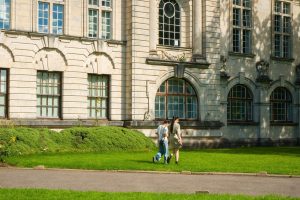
[107,181]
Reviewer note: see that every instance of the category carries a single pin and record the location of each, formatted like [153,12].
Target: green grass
[38,194]
[281,160]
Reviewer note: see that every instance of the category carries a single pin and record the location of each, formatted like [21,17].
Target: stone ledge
[56,123]
[283,124]
[232,123]
[200,65]
[68,37]
[184,124]
[243,55]
[282,59]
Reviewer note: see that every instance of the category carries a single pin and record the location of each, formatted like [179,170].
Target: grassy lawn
[283,160]
[38,194]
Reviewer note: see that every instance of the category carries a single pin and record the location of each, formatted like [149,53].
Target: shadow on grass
[142,161]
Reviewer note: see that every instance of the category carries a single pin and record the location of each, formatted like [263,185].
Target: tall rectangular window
[106,3]
[48,94]
[94,2]
[58,19]
[106,24]
[98,96]
[282,45]
[50,18]
[99,19]
[242,26]
[43,19]
[3,93]
[93,23]
[4,14]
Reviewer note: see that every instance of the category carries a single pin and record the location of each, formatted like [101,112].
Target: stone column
[153,24]
[197,29]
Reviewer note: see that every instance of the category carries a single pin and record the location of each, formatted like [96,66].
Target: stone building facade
[230,69]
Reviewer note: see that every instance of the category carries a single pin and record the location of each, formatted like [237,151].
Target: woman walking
[175,138]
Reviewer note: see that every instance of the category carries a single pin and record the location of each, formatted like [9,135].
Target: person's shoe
[176,162]
[153,159]
[169,158]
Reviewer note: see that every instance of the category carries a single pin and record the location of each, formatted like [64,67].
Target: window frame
[241,27]
[166,94]
[288,104]
[161,22]
[50,16]
[9,16]
[281,33]
[6,95]
[100,10]
[245,100]
[89,107]
[59,113]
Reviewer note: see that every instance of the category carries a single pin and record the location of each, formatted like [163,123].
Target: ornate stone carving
[148,115]
[223,69]
[164,55]
[262,68]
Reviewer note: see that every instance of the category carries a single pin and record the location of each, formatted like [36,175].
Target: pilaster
[153,38]
[197,28]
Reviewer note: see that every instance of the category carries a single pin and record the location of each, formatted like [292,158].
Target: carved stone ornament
[262,68]
[223,69]
[148,116]
[164,55]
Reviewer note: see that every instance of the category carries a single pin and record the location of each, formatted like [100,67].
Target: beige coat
[175,137]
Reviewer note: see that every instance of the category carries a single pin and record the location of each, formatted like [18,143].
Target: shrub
[23,141]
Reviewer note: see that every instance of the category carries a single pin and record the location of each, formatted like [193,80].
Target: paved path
[147,182]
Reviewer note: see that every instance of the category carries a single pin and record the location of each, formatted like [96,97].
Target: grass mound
[24,141]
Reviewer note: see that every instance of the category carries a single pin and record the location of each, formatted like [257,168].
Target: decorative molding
[165,55]
[152,61]
[262,68]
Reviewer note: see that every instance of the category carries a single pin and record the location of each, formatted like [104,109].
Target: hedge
[24,141]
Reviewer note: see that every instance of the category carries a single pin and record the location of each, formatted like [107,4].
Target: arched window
[176,97]
[281,105]
[169,23]
[240,104]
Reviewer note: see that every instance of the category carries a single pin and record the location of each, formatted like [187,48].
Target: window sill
[244,55]
[242,123]
[173,48]
[50,118]
[283,123]
[282,59]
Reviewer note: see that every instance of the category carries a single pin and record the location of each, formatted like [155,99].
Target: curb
[260,174]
